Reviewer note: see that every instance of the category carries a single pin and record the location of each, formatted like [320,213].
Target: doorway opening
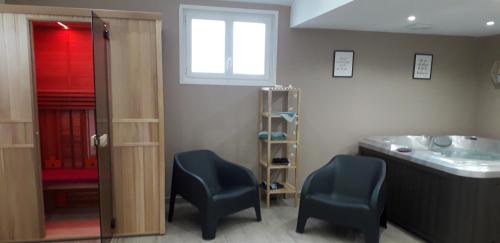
[63,61]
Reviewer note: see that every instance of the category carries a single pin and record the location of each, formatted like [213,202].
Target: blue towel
[288,116]
[274,135]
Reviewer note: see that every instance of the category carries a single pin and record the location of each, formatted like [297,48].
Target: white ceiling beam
[273,2]
[304,10]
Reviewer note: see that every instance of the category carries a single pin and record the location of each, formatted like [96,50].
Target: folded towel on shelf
[274,135]
[288,116]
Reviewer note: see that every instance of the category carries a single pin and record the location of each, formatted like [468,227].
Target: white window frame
[229,15]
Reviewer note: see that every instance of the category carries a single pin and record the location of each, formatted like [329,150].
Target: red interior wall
[65,90]
[63,58]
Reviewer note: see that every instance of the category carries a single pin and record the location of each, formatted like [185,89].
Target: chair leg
[257,206]
[301,222]
[208,227]
[257,213]
[372,235]
[171,206]
[383,219]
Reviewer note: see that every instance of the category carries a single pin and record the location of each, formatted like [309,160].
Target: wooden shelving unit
[273,101]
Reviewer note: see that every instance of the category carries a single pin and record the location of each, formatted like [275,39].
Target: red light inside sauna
[63,25]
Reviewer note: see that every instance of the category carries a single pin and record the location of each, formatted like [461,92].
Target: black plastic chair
[214,186]
[348,191]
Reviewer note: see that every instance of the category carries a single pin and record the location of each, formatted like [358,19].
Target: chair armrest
[320,180]
[190,186]
[233,174]
[377,199]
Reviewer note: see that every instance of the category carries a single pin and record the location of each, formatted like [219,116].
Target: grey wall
[488,115]
[381,99]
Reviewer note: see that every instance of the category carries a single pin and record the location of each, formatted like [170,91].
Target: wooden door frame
[161,117]
[77,12]
[36,128]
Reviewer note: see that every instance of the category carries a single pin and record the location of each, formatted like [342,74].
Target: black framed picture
[343,63]
[422,66]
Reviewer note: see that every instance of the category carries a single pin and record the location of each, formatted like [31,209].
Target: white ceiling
[442,17]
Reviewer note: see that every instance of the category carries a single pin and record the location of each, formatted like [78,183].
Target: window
[227,46]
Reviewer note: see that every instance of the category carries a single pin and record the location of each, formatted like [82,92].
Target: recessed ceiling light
[412,18]
[63,25]
[490,23]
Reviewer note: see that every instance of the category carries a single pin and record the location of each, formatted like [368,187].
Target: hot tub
[465,156]
[442,188]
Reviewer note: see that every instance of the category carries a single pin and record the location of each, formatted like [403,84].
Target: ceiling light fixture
[412,18]
[63,25]
[490,23]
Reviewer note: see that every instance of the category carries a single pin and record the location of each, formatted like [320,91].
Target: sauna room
[65,97]
[78,143]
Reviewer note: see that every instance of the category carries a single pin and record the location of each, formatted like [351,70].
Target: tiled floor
[278,225]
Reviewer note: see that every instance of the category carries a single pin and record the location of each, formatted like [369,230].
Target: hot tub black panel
[439,206]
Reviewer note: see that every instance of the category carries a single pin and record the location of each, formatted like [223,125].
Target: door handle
[101,141]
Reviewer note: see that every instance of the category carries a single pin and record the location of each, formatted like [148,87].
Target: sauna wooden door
[21,216]
[138,165]
[103,124]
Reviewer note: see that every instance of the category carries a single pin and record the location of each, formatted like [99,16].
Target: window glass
[208,43]
[249,48]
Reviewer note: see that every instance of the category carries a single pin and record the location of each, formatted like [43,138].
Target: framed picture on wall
[343,64]
[422,66]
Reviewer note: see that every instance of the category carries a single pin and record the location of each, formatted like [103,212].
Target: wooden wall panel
[21,193]
[133,69]
[136,190]
[20,190]
[137,115]
[4,209]
[136,132]
[16,133]
[15,72]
